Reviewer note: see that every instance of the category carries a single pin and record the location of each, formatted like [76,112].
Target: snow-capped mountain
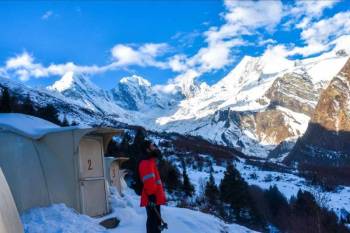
[326,140]
[82,91]
[263,102]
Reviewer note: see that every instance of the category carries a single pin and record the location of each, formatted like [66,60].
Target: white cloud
[46,15]
[318,35]
[215,56]
[22,60]
[238,21]
[243,17]
[24,67]
[324,29]
[177,63]
[303,13]
[126,55]
[23,74]
[263,42]
[143,55]
[153,49]
[242,20]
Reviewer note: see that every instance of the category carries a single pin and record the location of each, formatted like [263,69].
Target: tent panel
[57,155]
[21,165]
[9,218]
[94,202]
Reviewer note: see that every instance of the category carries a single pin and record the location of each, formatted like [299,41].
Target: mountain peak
[69,80]
[135,79]
[64,83]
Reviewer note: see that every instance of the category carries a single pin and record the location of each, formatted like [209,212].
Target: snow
[138,80]
[58,218]
[288,184]
[64,83]
[61,219]
[29,126]
[298,122]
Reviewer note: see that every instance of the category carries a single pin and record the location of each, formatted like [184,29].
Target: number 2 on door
[90,165]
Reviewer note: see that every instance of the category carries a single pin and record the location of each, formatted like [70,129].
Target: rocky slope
[327,137]
[256,107]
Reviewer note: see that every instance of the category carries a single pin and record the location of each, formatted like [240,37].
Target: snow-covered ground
[60,219]
[288,184]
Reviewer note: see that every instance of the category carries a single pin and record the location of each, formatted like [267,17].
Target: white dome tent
[9,218]
[46,164]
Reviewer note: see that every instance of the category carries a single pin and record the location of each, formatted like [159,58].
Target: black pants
[153,221]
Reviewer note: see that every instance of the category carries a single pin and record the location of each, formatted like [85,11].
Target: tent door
[92,180]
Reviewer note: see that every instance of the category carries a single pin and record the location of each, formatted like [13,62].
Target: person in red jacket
[152,193]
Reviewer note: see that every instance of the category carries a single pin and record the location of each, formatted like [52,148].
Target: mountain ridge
[261,103]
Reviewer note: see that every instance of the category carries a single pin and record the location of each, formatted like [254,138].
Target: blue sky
[159,40]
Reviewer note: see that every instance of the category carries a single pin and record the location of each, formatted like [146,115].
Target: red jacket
[152,185]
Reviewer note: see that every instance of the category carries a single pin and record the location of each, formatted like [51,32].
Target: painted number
[90,165]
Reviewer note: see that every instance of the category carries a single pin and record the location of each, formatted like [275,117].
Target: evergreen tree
[233,188]
[113,148]
[5,104]
[64,121]
[188,188]
[49,113]
[138,144]
[211,191]
[277,202]
[305,204]
[170,176]
[235,191]
[27,107]
[74,123]
[135,153]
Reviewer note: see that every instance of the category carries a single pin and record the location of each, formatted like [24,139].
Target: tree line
[174,181]
[233,200]
[10,103]
[266,210]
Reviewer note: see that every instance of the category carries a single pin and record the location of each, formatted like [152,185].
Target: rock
[326,141]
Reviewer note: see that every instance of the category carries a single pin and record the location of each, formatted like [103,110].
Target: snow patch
[59,218]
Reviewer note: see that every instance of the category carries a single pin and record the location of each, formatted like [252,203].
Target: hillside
[326,139]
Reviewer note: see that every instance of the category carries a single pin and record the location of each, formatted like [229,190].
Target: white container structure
[46,164]
[114,174]
[9,218]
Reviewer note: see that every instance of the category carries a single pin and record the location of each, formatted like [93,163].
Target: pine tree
[64,121]
[170,175]
[234,191]
[74,123]
[5,104]
[139,141]
[231,185]
[188,188]
[49,113]
[276,201]
[27,107]
[211,191]
[135,153]
[113,148]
